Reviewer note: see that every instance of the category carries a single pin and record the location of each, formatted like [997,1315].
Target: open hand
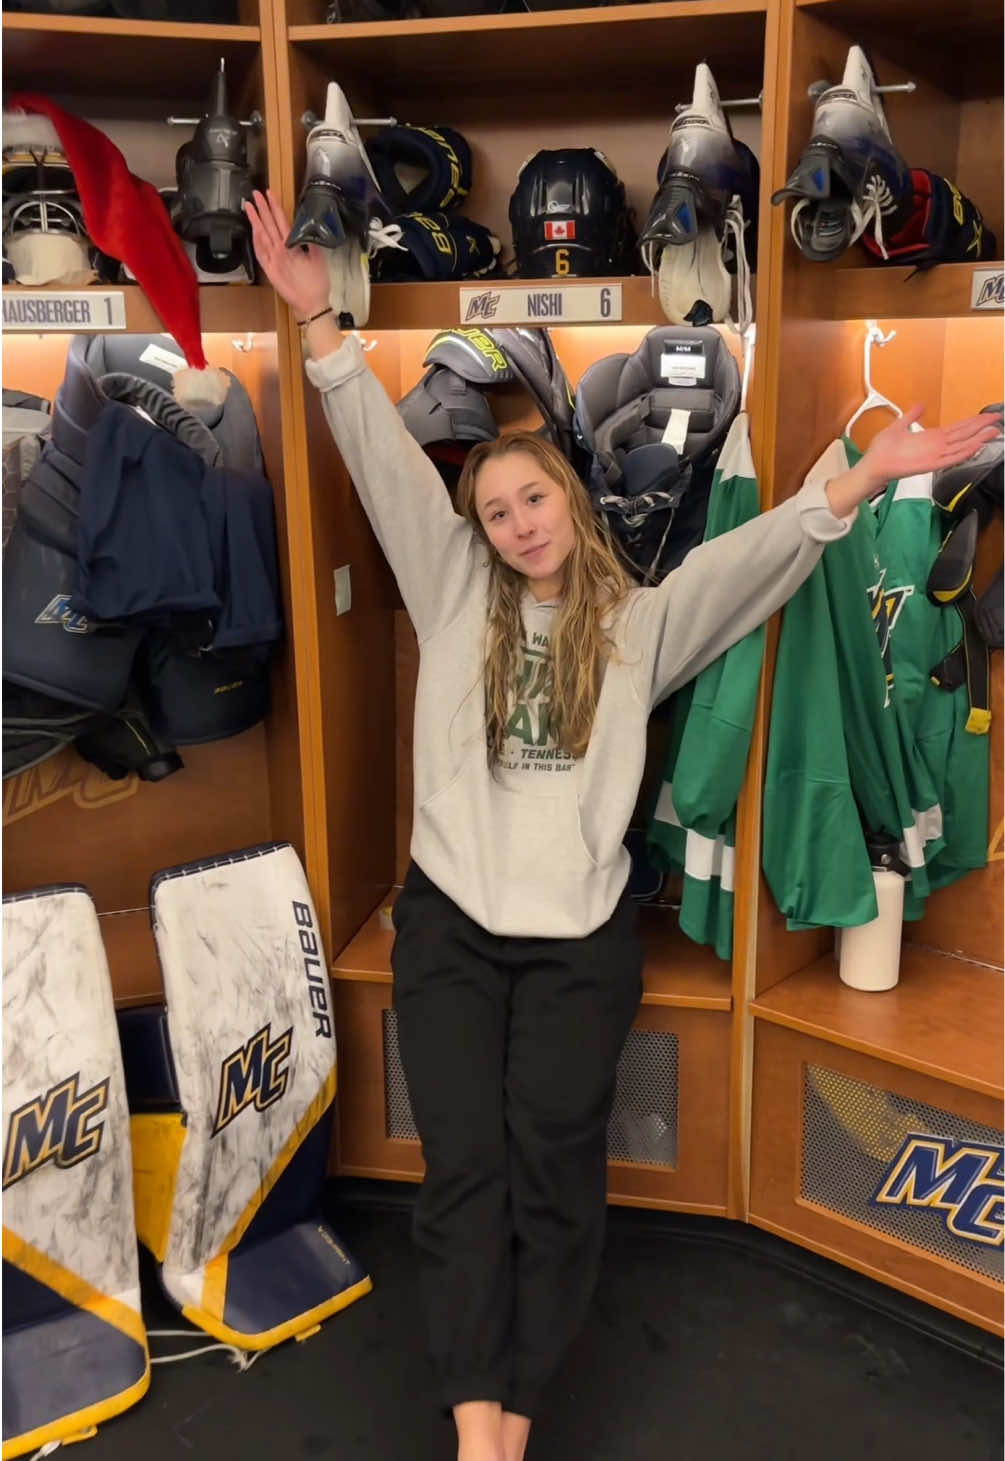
[299,275]
[900,452]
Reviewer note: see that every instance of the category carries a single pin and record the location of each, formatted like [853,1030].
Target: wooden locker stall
[843,1079]
[65,821]
[735,1079]
[540,87]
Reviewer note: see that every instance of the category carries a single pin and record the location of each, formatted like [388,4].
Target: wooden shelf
[223,308]
[900,293]
[437,306]
[944,1018]
[957,47]
[560,50]
[85,56]
[677,972]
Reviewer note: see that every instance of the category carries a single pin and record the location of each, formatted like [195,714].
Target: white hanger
[748,341]
[873,399]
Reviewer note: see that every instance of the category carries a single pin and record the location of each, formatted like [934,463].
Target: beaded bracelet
[302,324]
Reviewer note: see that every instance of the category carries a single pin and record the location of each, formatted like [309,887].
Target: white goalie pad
[244,1251]
[74,1343]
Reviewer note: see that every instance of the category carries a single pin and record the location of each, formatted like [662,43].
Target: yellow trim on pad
[82,1295]
[70,1286]
[290,1330]
[307,1122]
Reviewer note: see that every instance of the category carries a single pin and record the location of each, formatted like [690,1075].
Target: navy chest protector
[125,692]
[652,425]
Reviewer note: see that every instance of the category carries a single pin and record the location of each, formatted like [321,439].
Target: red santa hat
[126,218]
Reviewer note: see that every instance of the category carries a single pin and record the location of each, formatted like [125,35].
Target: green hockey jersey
[910,529]
[693,826]
[844,751]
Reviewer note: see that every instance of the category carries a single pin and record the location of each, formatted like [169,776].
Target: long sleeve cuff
[815,516]
[338,366]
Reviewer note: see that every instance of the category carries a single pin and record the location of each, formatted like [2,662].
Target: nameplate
[544,303]
[65,311]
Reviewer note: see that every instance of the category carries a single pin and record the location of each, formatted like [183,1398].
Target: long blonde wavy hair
[595,584]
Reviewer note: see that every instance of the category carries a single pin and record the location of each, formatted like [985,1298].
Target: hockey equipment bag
[74,1343]
[232,1085]
[570,217]
[653,423]
[421,169]
[850,177]
[970,495]
[704,217]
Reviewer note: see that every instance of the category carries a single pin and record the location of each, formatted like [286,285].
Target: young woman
[517,960]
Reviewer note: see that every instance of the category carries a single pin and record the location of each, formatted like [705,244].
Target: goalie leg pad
[244,1251]
[74,1343]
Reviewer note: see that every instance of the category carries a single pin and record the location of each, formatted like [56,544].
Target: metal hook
[365,344]
[310,120]
[739,101]
[817,88]
[246,345]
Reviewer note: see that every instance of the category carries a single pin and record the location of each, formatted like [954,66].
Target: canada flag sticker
[553,230]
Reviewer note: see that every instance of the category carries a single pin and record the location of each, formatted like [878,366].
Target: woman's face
[526,518]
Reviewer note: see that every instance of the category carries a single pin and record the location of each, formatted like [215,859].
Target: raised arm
[727,587]
[432,551]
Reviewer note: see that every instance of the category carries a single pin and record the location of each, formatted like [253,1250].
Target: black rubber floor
[707,1341]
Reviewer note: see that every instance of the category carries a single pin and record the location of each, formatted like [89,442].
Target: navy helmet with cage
[569,216]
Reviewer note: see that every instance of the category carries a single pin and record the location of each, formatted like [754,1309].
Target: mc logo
[963,1180]
[483,306]
[55,1126]
[255,1074]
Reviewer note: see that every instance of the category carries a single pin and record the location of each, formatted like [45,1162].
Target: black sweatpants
[510,1049]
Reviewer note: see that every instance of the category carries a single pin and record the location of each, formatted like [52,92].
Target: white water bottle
[869,956]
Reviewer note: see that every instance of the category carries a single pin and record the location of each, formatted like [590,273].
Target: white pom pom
[200,387]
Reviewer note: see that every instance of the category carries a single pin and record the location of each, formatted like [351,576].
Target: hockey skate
[850,177]
[214,182]
[704,216]
[342,210]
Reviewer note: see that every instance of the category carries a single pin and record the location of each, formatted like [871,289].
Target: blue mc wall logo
[962,1180]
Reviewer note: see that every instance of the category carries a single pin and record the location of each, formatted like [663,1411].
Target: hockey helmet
[653,424]
[44,238]
[214,182]
[569,216]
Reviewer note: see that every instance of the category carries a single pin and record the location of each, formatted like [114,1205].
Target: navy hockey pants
[510,1049]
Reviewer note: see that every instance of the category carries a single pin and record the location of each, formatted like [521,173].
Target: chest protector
[652,425]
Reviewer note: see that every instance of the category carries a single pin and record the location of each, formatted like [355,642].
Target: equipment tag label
[987,289]
[73,310]
[542,303]
[683,364]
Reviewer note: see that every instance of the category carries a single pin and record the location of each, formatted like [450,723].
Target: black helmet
[569,217]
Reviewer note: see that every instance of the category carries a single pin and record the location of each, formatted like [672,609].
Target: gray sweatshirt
[534,847]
